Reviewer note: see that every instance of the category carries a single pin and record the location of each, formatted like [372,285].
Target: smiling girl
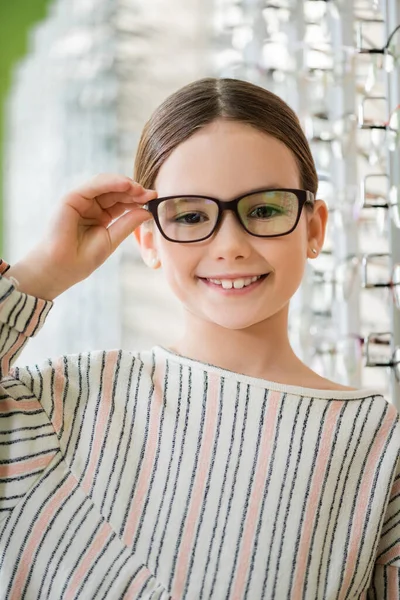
[219,467]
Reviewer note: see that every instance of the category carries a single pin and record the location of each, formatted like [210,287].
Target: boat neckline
[272,385]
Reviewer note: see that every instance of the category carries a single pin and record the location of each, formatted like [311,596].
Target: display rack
[336,63]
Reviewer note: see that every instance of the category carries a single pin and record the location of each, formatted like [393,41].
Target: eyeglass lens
[266,213]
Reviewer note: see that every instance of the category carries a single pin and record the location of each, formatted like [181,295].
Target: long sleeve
[23,456]
[385,582]
[21,317]
[54,538]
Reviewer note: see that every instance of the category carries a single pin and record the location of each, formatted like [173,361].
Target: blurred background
[78,80]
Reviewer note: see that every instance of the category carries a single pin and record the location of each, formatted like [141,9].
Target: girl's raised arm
[90,223]
[46,472]
[86,228]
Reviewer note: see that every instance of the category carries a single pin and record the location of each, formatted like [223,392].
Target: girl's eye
[264,212]
[192,218]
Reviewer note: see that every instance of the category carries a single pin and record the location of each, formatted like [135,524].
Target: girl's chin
[233,322]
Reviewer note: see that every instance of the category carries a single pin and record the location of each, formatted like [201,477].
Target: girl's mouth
[235,291]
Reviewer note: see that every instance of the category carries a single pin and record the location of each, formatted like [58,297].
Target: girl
[221,467]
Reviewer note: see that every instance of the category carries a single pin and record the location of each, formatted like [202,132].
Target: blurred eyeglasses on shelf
[389,49]
[373,144]
[375,194]
[343,357]
[376,273]
[390,359]
[389,127]
[338,133]
[371,37]
[373,350]
[369,271]
[371,206]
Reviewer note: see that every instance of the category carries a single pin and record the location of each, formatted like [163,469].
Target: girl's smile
[242,288]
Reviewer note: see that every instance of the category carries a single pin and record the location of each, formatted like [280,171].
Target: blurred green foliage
[16,19]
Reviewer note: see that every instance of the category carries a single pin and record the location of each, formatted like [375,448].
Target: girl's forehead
[225,160]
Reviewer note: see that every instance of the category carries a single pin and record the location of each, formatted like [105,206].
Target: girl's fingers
[100,206]
[119,208]
[125,225]
[104,183]
[106,217]
[107,200]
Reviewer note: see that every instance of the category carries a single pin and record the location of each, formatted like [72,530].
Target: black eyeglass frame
[303,196]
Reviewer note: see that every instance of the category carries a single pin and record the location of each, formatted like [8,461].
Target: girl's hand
[87,227]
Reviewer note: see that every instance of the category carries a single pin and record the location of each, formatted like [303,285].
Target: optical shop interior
[200,299]
[80,81]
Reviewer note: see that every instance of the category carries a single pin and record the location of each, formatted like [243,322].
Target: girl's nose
[231,223]
[230,237]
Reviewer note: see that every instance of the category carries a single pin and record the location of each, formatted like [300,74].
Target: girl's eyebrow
[189,197]
[273,186]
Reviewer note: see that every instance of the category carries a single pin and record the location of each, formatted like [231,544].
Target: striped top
[149,475]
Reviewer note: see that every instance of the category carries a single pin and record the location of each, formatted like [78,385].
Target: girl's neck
[262,351]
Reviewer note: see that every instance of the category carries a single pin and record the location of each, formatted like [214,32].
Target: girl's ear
[317,225]
[144,235]
[138,234]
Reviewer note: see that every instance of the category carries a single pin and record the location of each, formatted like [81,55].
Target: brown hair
[205,100]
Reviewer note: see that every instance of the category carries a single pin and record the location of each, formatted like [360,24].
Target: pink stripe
[26,466]
[25,562]
[186,547]
[59,386]
[390,554]
[252,518]
[102,418]
[3,266]
[11,352]
[136,585]
[364,495]
[35,317]
[395,489]
[9,404]
[87,560]
[324,452]
[393,583]
[149,453]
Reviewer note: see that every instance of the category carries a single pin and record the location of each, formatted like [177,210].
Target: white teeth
[228,284]
[239,283]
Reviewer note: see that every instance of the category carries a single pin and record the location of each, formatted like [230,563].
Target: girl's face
[224,160]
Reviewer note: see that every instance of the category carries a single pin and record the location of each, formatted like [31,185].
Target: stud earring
[313,250]
[154,261]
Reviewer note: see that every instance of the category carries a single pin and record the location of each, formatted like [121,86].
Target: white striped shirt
[152,476]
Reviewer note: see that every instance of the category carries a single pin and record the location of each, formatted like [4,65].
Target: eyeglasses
[262,213]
